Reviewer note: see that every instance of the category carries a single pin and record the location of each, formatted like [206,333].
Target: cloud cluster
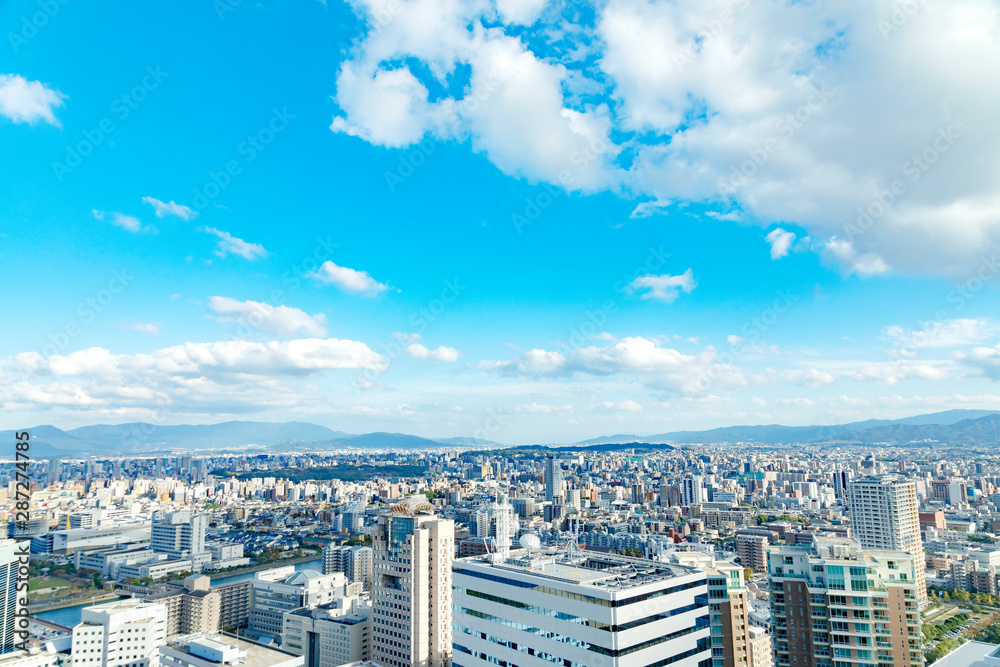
[348,280]
[280,321]
[869,128]
[24,101]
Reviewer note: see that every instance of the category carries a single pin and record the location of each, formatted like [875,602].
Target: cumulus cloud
[126,222]
[170,208]
[836,117]
[24,101]
[279,321]
[643,359]
[663,288]
[941,333]
[231,245]
[781,242]
[441,353]
[348,280]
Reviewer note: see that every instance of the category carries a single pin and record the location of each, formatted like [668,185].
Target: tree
[748,573]
[960,596]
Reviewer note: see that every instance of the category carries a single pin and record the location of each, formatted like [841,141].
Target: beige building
[728,609]
[191,608]
[752,550]
[411,587]
[884,516]
[760,648]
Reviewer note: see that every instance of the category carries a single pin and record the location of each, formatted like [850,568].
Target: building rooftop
[256,655]
[586,568]
[972,654]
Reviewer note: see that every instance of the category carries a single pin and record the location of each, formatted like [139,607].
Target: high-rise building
[553,479]
[411,587]
[760,648]
[191,608]
[180,535]
[10,606]
[841,480]
[579,608]
[728,610]
[354,561]
[834,602]
[126,633]
[752,550]
[692,490]
[884,515]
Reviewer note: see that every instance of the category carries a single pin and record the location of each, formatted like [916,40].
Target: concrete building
[181,536]
[411,587]
[126,633]
[10,554]
[760,648]
[110,561]
[837,601]
[275,592]
[579,609]
[728,610]
[553,479]
[68,541]
[234,604]
[191,608]
[752,550]
[884,516]
[692,490]
[332,634]
[207,650]
[354,561]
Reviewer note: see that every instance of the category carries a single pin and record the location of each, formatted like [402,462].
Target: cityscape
[500,333]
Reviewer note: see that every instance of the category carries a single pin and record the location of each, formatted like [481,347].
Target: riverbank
[39,607]
[266,566]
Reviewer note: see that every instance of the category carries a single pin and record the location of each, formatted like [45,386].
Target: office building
[274,592]
[553,479]
[692,490]
[333,634]
[180,535]
[126,633]
[836,603]
[579,609]
[411,587]
[884,516]
[10,554]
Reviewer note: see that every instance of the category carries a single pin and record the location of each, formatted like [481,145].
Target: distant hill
[467,441]
[938,423]
[982,431]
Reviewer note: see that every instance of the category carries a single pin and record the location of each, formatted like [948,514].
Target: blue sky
[415,216]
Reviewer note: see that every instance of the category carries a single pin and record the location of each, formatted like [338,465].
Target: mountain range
[950,427]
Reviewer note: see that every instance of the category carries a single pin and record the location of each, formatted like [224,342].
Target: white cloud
[520,12]
[781,242]
[441,353]
[641,358]
[229,244]
[349,280]
[279,321]
[148,328]
[407,337]
[24,101]
[663,288]
[170,208]
[621,406]
[791,113]
[126,222]
[942,333]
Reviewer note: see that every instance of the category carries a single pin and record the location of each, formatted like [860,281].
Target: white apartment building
[354,561]
[126,633]
[884,515]
[579,609]
[411,587]
[179,535]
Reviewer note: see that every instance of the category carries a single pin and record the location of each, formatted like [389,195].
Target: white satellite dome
[530,541]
